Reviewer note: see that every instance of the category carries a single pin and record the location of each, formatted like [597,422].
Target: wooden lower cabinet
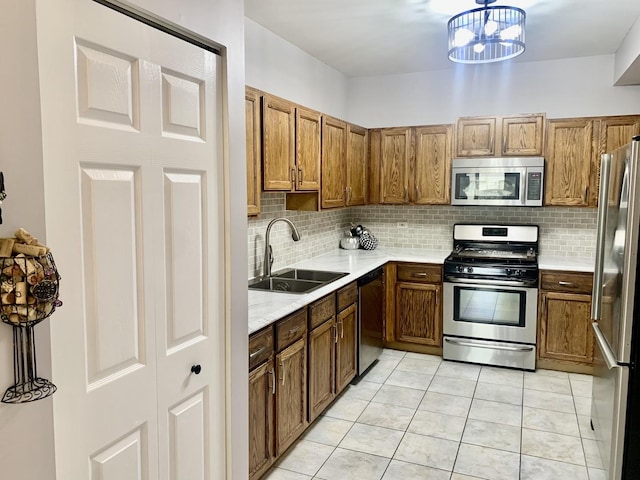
[347,346]
[291,394]
[565,338]
[418,313]
[261,419]
[322,354]
[414,307]
[333,347]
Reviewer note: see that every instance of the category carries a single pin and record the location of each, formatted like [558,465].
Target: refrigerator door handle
[603,202]
[607,354]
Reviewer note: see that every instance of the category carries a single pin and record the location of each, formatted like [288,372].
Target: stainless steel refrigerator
[615,405]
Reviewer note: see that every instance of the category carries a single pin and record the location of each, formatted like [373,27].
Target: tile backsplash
[568,232]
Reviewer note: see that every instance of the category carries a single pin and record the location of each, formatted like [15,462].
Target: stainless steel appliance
[511,182]
[370,315]
[491,295]
[615,405]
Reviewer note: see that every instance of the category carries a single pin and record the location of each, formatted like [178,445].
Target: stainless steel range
[491,295]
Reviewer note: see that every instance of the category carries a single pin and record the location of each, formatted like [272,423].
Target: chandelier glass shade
[487,34]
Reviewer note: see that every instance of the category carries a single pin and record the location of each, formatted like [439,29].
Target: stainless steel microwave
[511,182]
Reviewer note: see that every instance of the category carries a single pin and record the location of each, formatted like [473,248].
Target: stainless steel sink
[295,280]
[313,275]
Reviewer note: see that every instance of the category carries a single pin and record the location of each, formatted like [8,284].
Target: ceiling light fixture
[486,34]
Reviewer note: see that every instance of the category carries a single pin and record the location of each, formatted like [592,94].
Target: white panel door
[132,148]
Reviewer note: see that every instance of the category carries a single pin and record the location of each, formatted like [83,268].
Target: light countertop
[267,307]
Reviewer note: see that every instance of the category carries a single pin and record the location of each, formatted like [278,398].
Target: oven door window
[489,305]
[489,185]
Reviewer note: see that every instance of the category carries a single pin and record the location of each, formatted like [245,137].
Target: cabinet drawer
[419,273]
[290,329]
[346,296]
[260,347]
[570,282]
[322,310]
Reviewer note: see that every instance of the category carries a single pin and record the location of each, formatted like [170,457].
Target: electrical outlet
[402,225]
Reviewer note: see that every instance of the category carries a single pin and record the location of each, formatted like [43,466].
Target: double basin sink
[295,280]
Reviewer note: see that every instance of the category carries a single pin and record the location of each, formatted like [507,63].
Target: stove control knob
[469,269]
[508,271]
[460,269]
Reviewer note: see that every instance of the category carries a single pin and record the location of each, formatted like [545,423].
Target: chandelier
[486,34]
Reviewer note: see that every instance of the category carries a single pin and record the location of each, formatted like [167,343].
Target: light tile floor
[415,416]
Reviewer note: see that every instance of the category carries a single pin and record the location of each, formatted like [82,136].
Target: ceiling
[380,37]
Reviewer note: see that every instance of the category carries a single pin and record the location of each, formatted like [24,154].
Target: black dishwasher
[370,318]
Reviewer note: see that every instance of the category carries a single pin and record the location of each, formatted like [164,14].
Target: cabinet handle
[566,284]
[341,323]
[586,194]
[436,296]
[300,176]
[335,337]
[294,330]
[417,193]
[196,369]
[273,382]
[257,352]
[283,371]
[293,177]
[406,195]
[419,275]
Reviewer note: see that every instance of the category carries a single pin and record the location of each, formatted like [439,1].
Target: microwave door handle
[603,202]
[523,190]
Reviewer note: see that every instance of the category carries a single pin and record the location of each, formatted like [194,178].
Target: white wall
[26,431]
[280,68]
[561,88]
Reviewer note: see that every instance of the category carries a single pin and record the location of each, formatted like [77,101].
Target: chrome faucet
[268,251]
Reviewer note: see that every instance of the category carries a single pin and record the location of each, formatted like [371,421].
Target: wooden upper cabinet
[334,147]
[395,148]
[356,169]
[432,165]
[308,125]
[508,136]
[569,157]
[612,133]
[475,137]
[278,143]
[522,135]
[253,149]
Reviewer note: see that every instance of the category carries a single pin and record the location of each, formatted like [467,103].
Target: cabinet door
[613,133]
[253,145]
[347,351]
[475,137]
[569,158]
[432,175]
[334,148]
[418,315]
[565,327]
[322,348]
[394,168]
[308,124]
[522,135]
[356,165]
[261,430]
[291,394]
[278,143]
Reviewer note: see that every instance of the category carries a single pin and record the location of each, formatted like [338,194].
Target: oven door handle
[480,281]
[492,347]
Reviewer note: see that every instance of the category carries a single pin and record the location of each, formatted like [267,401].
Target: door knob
[196,369]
